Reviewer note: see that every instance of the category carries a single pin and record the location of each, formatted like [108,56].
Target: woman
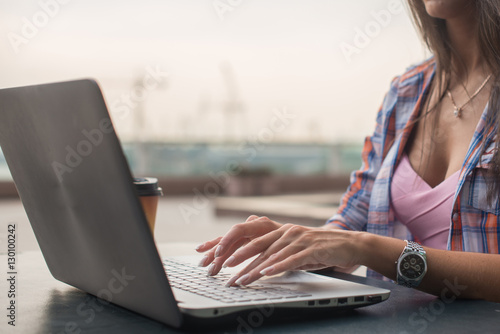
[430,174]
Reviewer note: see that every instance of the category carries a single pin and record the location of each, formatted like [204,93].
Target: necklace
[458,110]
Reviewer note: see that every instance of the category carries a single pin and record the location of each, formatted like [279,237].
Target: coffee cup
[149,193]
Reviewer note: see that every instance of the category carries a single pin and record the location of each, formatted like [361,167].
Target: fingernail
[267,271]
[231,280]
[210,269]
[229,261]
[199,246]
[202,261]
[242,279]
[218,251]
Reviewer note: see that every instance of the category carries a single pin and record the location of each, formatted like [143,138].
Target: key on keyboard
[194,279]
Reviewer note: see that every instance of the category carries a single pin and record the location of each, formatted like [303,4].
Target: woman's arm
[294,247]
[354,205]
[450,273]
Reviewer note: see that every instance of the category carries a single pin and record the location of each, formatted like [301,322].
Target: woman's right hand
[221,248]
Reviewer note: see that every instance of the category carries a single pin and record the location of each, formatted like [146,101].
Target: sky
[213,70]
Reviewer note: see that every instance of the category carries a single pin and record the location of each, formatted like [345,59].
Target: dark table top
[45,305]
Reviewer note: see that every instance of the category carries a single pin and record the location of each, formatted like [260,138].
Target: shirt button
[455,216]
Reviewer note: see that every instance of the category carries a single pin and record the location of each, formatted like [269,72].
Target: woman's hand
[221,248]
[279,248]
[294,247]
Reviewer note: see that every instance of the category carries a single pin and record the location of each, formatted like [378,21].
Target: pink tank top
[424,210]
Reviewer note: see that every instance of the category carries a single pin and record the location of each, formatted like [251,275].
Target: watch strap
[411,247]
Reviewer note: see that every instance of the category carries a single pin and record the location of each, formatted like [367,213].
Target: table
[45,305]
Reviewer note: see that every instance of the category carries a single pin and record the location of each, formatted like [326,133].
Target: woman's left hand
[295,247]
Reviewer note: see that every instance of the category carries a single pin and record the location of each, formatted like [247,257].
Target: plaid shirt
[366,206]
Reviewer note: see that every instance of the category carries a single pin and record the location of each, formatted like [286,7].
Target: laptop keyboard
[194,279]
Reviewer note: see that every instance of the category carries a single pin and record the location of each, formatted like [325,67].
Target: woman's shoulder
[405,91]
[423,66]
[409,85]
[417,73]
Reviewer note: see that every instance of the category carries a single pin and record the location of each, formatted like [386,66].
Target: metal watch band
[411,247]
[414,247]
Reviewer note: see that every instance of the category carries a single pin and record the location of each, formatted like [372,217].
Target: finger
[208,245]
[278,251]
[210,255]
[271,244]
[252,227]
[247,276]
[215,267]
[251,217]
[295,261]
[253,248]
[311,267]
[235,244]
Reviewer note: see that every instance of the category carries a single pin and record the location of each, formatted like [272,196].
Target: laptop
[78,193]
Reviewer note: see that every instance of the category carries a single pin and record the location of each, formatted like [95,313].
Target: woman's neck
[462,32]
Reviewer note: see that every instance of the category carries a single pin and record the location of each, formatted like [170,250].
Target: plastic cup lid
[147,186]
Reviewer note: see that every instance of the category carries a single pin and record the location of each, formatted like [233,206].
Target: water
[201,159]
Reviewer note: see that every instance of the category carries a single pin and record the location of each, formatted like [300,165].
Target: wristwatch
[411,265]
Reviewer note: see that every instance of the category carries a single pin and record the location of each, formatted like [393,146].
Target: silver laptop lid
[78,194]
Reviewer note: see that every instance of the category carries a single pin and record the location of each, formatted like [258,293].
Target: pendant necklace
[458,110]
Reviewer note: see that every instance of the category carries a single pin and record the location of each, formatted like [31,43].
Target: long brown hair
[433,33]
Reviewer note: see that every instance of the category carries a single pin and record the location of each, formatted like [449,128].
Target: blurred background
[237,106]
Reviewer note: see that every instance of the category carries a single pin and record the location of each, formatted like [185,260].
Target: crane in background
[140,126]
[233,108]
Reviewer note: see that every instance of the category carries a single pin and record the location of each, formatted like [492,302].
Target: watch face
[412,266]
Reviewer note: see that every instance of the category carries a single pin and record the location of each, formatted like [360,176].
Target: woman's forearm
[449,273]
